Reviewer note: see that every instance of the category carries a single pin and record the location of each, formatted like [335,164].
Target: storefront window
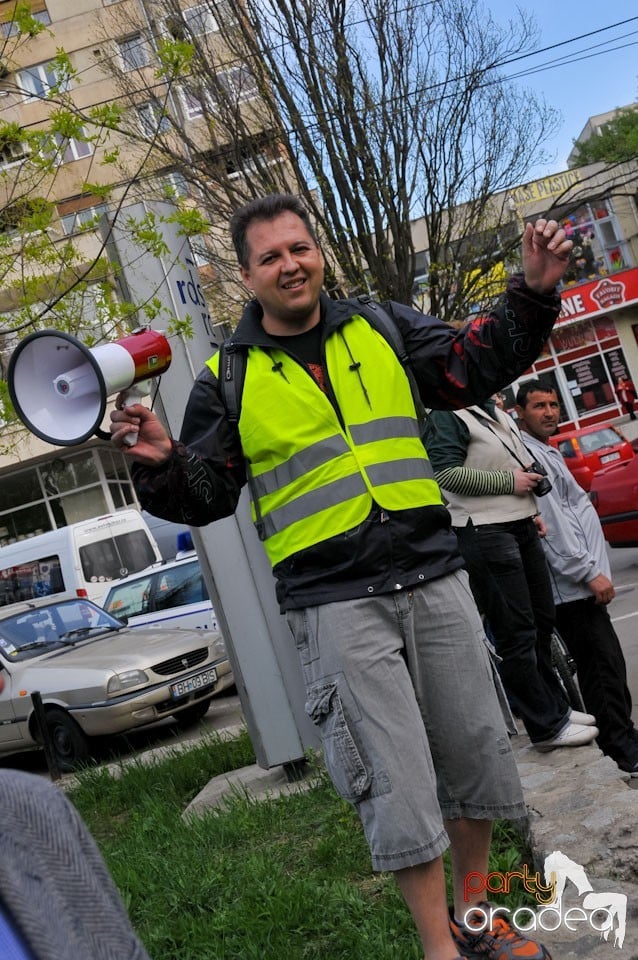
[63,490]
[616,365]
[599,248]
[20,524]
[573,336]
[20,487]
[79,506]
[588,384]
[605,328]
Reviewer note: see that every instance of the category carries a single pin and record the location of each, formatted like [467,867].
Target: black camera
[543,486]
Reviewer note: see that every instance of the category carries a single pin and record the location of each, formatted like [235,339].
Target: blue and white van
[79,560]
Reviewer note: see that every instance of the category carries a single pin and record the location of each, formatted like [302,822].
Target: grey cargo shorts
[402,690]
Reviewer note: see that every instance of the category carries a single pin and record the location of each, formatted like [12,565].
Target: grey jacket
[574,547]
[53,880]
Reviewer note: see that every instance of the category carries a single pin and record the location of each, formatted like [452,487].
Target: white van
[77,560]
[167,596]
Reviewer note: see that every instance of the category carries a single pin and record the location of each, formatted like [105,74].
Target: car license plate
[199,680]
[609,457]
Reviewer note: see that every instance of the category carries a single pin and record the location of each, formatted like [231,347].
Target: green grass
[284,879]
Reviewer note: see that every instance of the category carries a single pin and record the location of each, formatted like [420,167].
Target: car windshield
[128,599]
[590,442]
[41,629]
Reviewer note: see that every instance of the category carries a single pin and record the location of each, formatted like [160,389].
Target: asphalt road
[225,710]
[624,612]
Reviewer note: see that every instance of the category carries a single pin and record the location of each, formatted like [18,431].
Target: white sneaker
[573,735]
[585,719]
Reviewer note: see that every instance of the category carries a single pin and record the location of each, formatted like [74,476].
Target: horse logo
[558,869]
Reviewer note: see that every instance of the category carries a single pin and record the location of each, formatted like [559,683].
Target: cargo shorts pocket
[343,761]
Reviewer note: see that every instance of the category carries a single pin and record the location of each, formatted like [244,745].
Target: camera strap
[486,423]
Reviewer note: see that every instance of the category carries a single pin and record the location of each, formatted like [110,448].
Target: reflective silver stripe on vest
[386,428]
[330,495]
[299,465]
[397,471]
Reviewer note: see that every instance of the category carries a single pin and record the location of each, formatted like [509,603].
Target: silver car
[98,677]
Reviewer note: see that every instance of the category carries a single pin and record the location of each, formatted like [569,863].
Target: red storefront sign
[599,296]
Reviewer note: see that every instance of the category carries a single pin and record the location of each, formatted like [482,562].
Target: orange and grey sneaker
[494,939]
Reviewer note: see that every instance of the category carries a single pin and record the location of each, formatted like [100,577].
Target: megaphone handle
[133,395]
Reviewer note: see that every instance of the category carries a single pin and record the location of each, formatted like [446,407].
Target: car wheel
[70,744]
[193,714]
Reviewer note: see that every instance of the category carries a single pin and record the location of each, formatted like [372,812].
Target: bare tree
[383,111]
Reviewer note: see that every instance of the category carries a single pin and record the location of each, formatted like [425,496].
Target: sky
[603,73]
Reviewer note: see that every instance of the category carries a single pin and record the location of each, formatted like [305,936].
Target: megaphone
[59,387]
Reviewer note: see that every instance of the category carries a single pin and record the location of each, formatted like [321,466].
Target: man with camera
[576,554]
[490,480]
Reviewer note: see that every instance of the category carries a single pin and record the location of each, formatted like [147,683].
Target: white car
[167,595]
[97,677]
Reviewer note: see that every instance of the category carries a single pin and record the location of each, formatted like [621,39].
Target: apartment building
[156,131]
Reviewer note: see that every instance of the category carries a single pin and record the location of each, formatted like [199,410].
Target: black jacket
[453,368]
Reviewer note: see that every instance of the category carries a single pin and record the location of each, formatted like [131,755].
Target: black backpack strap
[383,323]
[232,373]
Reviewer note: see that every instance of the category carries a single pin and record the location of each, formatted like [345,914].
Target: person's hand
[545,255]
[541,526]
[151,443]
[602,589]
[524,482]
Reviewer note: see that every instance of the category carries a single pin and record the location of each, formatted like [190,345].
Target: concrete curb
[581,804]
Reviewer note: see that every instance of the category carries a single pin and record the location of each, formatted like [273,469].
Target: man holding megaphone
[325,429]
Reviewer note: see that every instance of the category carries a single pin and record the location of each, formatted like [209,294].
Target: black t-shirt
[306,347]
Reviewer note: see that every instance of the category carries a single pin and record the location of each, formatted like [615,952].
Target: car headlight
[130,678]
[219,647]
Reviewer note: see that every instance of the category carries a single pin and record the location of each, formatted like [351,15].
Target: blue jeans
[510,580]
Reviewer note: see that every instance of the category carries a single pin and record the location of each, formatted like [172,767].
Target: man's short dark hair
[264,208]
[533,386]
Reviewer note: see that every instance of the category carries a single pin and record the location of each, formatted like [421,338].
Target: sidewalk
[582,805]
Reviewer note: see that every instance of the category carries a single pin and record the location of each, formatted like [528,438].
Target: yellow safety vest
[312,478]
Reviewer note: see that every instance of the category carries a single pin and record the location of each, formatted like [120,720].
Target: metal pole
[45,735]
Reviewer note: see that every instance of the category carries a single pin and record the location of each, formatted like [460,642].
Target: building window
[134,52]
[37,81]
[599,248]
[174,185]
[202,254]
[152,119]
[25,216]
[70,149]
[238,84]
[12,152]
[82,219]
[61,491]
[200,20]
[11,29]
[192,104]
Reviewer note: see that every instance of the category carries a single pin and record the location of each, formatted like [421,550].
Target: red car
[614,493]
[590,449]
